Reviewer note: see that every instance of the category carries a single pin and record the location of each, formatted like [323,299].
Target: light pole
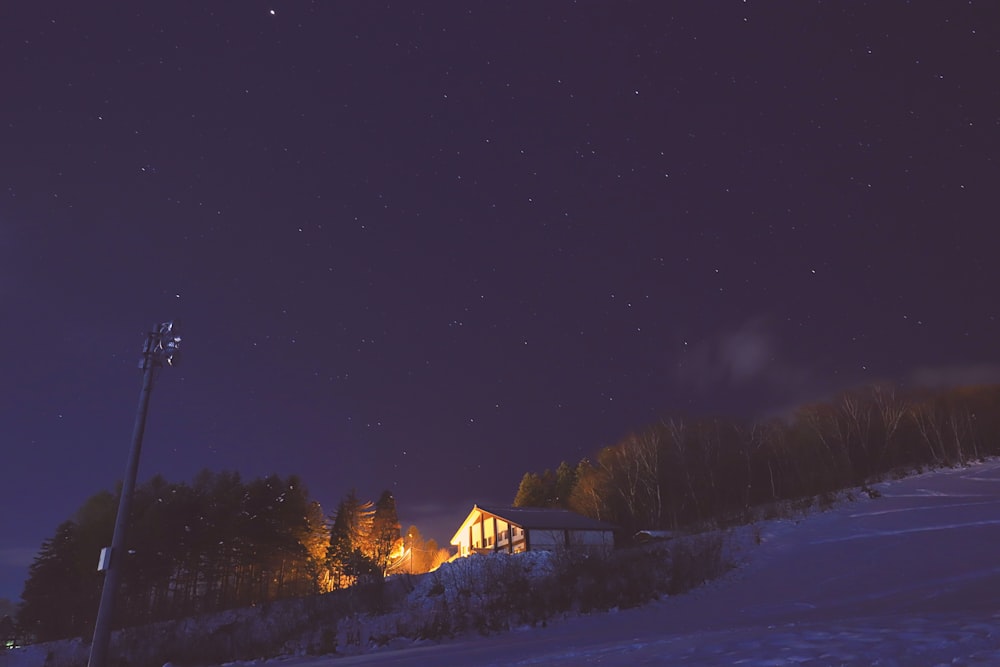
[161,347]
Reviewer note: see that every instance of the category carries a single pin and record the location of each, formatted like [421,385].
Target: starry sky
[429,246]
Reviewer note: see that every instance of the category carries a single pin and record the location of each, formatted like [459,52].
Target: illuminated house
[517,529]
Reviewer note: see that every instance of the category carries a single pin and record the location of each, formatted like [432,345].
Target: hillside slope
[910,578]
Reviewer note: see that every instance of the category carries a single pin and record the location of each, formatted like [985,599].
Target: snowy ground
[911,578]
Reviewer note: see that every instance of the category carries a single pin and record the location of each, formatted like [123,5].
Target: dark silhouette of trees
[681,472]
[565,481]
[385,540]
[530,493]
[349,556]
[56,595]
[221,542]
[63,587]
[548,489]
[216,544]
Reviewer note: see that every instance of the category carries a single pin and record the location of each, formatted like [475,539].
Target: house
[517,529]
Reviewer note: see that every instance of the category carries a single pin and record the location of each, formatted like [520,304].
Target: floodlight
[162,346]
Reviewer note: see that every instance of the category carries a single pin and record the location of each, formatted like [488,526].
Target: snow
[909,578]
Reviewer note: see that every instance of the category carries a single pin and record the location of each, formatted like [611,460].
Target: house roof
[547,518]
[535,518]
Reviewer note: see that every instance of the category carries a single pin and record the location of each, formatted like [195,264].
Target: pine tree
[348,554]
[50,602]
[565,481]
[317,539]
[218,544]
[531,492]
[211,574]
[61,593]
[385,536]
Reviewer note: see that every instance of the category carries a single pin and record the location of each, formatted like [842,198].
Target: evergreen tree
[348,554]
[54,597]
[338,554]
[531,492]
[385,536]
[218,544]
[163,522]
[316,541]
[212,574]
[565,481]
[61,594]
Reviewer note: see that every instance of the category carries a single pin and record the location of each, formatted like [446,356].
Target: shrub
[696,560]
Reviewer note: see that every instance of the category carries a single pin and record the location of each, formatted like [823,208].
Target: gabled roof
[534,518]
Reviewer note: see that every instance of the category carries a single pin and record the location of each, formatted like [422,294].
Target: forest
[221,543]
[217,543]
[680,473]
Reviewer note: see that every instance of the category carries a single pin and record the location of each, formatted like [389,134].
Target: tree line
[214,544]
[221,542]
[683,472]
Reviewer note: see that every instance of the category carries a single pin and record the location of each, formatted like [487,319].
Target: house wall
[553,540]
[489,533]
[604,539]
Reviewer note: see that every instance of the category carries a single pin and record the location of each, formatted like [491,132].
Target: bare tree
[857,411]
[677,433]
[832,434]
[589,493]
[646,449]
[623,468]
[930,425]
[891,411]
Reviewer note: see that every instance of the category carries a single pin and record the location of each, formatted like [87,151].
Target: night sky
[427,247]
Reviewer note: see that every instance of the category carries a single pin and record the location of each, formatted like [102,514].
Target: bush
[325,643]
[696,560]
[871,492]
[481,594]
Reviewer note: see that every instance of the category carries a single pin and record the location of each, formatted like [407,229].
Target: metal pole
[102,630]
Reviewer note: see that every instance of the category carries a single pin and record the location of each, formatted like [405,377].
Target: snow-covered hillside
[910,578]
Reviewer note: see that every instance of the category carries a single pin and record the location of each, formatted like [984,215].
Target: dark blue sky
[430,246]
